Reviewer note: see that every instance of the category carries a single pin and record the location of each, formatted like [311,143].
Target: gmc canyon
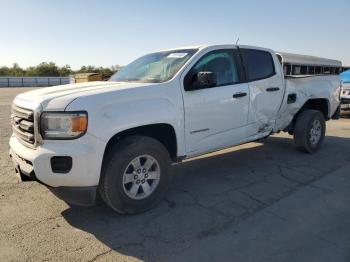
[118,139]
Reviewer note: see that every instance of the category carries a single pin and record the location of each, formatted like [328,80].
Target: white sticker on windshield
[177,55]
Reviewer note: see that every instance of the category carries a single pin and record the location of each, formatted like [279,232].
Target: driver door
[215,116]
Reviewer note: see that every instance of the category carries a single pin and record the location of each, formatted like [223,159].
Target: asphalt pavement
[262,201]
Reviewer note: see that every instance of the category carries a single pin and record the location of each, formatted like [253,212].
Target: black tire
[118,158]
[302,129]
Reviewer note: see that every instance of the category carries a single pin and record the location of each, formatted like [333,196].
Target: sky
[106,33]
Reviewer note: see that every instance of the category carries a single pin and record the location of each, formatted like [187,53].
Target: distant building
[85,77]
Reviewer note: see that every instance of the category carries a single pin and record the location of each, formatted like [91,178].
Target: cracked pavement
[262,201]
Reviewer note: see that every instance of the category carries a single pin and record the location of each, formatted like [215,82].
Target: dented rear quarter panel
[306,88]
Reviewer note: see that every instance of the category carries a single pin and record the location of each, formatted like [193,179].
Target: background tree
[65,70]
[15,70]
[51,69]
[47,69]
[5,71]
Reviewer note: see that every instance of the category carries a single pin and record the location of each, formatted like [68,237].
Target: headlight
[63,125]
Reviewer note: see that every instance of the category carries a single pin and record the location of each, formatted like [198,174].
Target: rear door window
[258,64]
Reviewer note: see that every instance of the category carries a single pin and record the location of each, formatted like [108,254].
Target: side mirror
[204,80]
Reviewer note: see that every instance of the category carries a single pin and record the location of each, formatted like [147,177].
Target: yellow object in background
[87,77]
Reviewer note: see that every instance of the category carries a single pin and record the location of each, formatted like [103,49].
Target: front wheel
[135,175]
[309,131]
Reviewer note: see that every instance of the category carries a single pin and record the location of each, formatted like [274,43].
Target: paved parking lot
[257,202]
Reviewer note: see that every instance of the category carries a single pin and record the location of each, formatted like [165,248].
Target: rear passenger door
[266,89]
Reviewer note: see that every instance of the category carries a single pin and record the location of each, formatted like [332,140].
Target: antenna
[237,40]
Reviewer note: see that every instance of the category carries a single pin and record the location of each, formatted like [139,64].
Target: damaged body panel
[308,88]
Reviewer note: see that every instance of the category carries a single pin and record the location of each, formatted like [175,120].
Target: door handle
[272,89]
[238,95]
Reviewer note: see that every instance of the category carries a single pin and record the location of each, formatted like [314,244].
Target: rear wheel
[309,131]
[136,175]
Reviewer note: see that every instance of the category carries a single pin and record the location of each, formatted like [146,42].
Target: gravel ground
[257,202]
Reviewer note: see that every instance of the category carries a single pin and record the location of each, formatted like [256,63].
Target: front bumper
[345,103]
[78,186]
[82,196]
[345,97]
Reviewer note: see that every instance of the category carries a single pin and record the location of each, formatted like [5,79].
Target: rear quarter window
[258,64]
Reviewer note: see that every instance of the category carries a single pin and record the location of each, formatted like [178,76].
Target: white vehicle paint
[203,120]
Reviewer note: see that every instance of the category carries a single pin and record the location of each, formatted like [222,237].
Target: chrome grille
[22,121]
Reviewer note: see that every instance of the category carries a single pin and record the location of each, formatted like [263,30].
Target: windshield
[154,68]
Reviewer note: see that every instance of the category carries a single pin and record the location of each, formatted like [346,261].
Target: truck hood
[58,97]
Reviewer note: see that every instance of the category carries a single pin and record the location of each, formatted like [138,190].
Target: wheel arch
[320,104]
[163,132]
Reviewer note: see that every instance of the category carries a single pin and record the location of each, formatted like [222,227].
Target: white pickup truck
[118,139]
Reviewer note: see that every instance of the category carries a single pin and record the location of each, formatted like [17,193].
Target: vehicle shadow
[210,194]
